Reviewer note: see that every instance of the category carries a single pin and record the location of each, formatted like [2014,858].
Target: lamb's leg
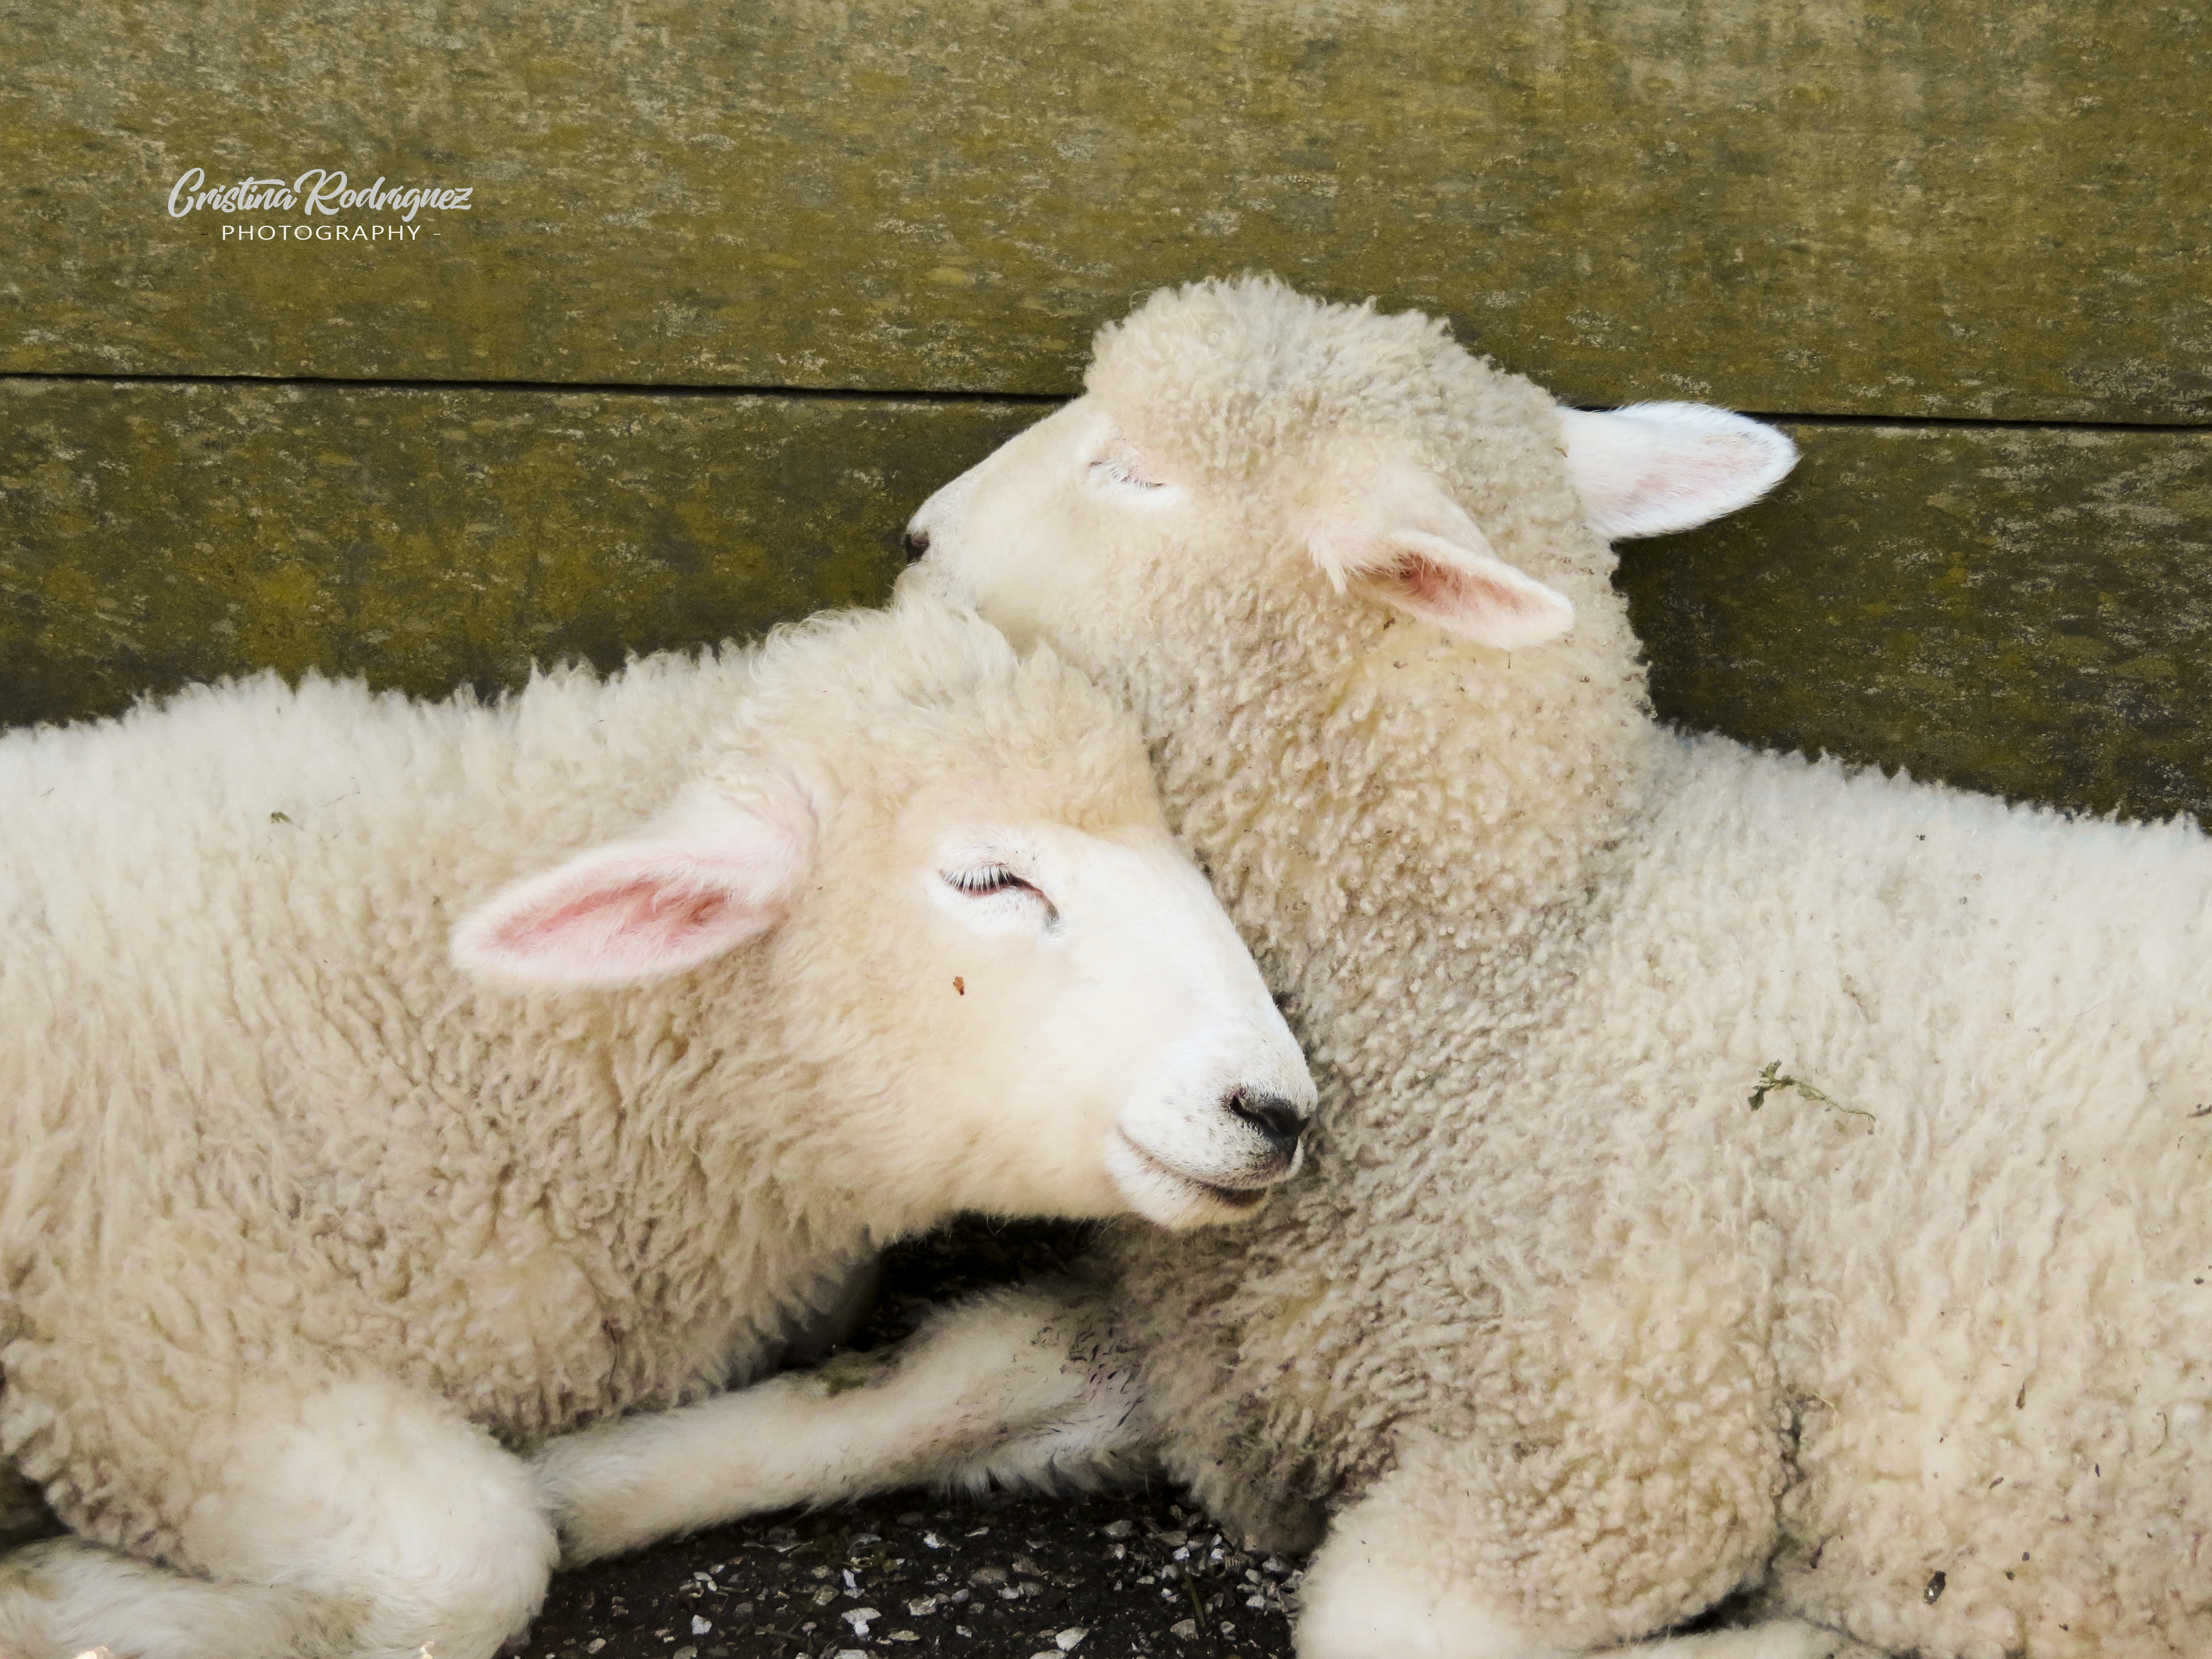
[366,1520]
[1024,1389]
[63,1596]
[1386,1585]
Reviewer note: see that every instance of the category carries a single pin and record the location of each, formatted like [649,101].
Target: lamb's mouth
[1230,1198]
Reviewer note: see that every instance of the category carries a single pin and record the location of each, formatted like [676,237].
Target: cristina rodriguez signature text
[318,191]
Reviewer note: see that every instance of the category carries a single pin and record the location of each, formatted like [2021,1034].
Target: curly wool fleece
[1570,1335]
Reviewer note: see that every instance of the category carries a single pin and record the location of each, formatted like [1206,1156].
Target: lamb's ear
[635,911]
[1654,468]
[1454,582]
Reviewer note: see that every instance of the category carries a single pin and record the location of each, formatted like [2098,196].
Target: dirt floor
[1099,1577]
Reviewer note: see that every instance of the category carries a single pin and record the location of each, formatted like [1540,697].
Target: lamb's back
[230,1021]
[1975,1262]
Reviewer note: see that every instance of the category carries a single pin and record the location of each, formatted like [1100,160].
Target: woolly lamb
[303,1225]
[1733,1173]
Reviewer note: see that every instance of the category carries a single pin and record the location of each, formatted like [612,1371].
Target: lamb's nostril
[917,544]
[1275,1118]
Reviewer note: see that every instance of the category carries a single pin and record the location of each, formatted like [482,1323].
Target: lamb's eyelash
[985,878]
[1118,472]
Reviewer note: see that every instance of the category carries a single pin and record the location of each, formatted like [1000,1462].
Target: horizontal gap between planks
[1040,399]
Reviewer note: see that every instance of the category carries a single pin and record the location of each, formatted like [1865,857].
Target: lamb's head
[933,876]
[1239,439]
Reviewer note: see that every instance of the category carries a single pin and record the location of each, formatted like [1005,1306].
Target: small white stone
[858,1617]
[932,1540]
[595,1645]
[1066,1639]
[1183,1630]
[699,1627]
[1118,1528]
[922,1607]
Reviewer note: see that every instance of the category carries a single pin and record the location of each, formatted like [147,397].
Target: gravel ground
[1100,1578]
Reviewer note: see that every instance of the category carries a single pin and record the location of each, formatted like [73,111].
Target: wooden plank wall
[735,286]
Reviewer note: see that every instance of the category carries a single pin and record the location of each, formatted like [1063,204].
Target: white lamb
[301,1224]
[1733,1173]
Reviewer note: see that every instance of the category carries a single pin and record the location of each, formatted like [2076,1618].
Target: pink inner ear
[1437,588]
[1652,469]
[631,913]
[638,918]
[1478,597]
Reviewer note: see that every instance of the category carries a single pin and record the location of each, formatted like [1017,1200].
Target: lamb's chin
[1168,1197]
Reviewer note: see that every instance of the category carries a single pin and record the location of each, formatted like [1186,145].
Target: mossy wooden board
[2025,612]
[154,534]
[1988,208]
[2022,611]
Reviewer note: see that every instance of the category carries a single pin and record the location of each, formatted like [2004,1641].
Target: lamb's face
[1242,442]
[1060,521]
[1079,529]
[1011,990]
[1077,1016]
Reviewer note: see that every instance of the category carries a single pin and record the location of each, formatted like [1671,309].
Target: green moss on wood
[2024,612]
[2018,611]
[152,534]
[1989,207]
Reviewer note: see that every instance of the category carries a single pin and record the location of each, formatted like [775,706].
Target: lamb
[1733,1174]
[313,1225]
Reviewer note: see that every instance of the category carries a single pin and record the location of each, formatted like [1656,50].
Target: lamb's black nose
[1275,1118]
[917,544]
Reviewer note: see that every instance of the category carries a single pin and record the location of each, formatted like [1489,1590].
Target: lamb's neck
[699,1160]
[1436,826]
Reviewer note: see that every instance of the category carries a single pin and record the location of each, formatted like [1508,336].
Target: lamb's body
[1561,1338]
[286,932]
[1674,1338]
[307,1225]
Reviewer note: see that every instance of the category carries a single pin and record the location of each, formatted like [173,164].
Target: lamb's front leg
[361,1520]
[1028,1388]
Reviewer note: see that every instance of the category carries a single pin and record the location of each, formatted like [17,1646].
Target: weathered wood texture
[153,534]
[1994,208]
[2024,612]
[2018,612]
